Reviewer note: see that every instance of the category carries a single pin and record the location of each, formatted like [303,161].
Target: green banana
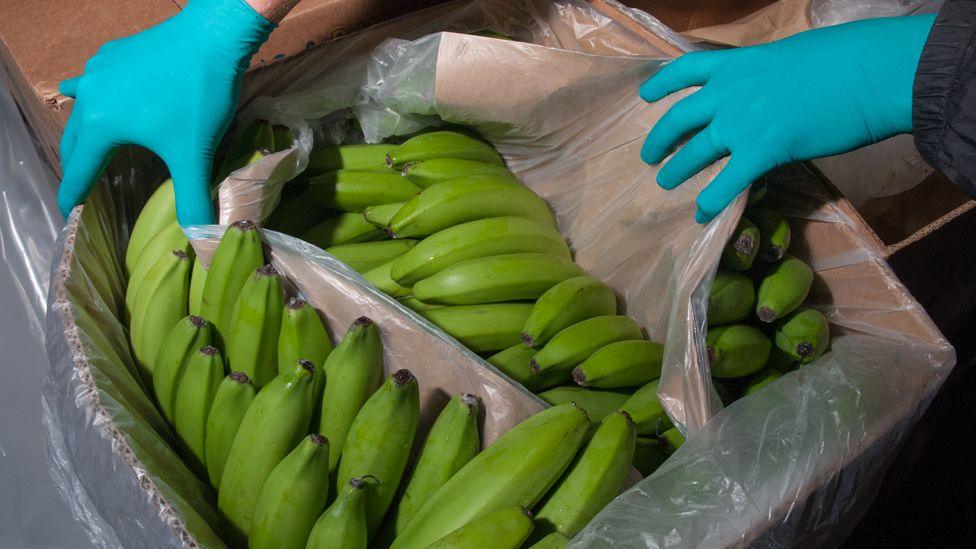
[565,304]
[593,480]
[363,256]
[355,190]
[292,498]
[237,256]
[474,239]
[736,350]
[783,289]
[598,404]
[379,440]
[186,337]
[296,215]
[516,363]
[194,397]
[343,524]
[761,379]
[160,303]
[645,409]
[731,298]
[198,279]
[621,364]
[169,239]
[648,455]
[158,213]
[442,144]
[435,170]
[803,335]
[452,442]
[574,344]
[496,278]
[781,361]
[380,215]
[354,371]
[256,322]
[456,201]
[273,425]
[345,228]
[416,305]
[555,540]
[348,157]
[774,231]
[506,528]
[671,440]
[757,191]
[517,469]
[254,143]
[234,396]
[283,137]
[742,248]
[302,335]
[482,328]
[380,277]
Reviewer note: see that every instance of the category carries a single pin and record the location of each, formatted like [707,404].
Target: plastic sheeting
[793,464]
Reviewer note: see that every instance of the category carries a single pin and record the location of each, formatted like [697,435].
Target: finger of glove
[88,160]
[741,170]
[69,87]
[191,180]
[691,113]
[698,152]
[691,69]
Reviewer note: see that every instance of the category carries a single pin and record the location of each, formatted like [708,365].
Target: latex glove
[817,93]
[173,89]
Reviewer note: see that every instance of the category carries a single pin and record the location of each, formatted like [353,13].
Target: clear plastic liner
[560,105]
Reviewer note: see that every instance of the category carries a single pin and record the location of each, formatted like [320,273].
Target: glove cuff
[230,28]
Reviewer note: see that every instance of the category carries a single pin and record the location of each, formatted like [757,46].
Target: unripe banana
[442,144]
[803,335]
[761,379]
[621,364]
[479,238]
[169,239]
[516,363]
[783,289]
[273,425]
[354,371]
[158,213]
[598,404]
[296,215]
[293,497]
[758,190]
[593,480]
[573,345]
[648,455]
[186,337]
[482,328]
[736,350]
[435,170]
[198,280]
[237,256]
[646,411]
[496,278]
[781,361]
[343,524]
[671,440]
[355,190]
[555,540]
[774,231]
[348,157]
[380,277]
[565,304]
[416,305]
[452,442]
[345,228]
[283,137]
[380,215]
[379,442]
[363,256]
[456,201]
[731,298]
[742,248]
[303,335]
[194,397]
[517,469]
[254,143]
[506,528]
[234,396]
[255,325]
[160,303]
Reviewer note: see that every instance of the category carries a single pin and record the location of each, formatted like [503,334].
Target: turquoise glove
[818,93]
[172,89]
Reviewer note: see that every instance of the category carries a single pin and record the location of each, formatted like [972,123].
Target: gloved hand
[818,93]
[173,89]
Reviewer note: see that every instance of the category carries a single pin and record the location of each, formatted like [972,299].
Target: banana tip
[627,416]
[469,400]
[766,314]
[244,225]
[363,321]
[267,270]
[534,366]
[402,377]
[295,303]
[240,377]
[208,350]
[404,170]
[528,340]
[711,355]
[180,254]
[198,321]
[744,244]
[526,512]
[804,349]
[318,440]
[389,160]
[579,376]
[307,364]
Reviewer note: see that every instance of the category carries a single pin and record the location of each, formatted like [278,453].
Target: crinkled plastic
[794,463]
[824,13]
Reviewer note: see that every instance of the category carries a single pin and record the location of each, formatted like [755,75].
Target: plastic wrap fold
[794,463]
